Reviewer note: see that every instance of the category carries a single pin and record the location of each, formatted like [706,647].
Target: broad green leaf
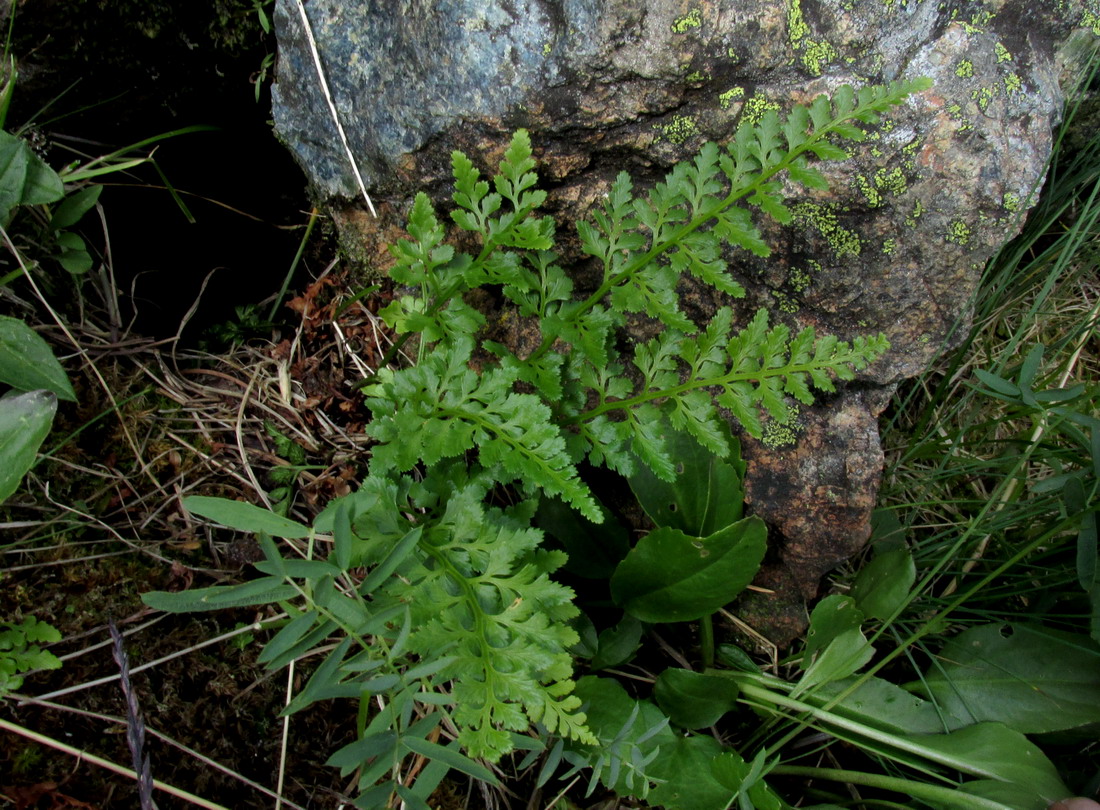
[706,494]
[594,549]
[73,207]
[74,255]
[1032,679]
[688,781]
[25,421]
[617,645]
[694,699]
[257,592]
[882,586]
[244,517]
[1014,796]
[672,577]
[884,706]
[24,178]
[833,615]
[745,779]
[994,751]
[623,726]
[27,363]
[845,655]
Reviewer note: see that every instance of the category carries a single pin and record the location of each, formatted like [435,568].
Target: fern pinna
[445,607]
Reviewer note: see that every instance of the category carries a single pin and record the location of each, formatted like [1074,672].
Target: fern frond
[502,621]
[442,409]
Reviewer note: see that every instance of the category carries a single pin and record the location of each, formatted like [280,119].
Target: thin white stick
[104,763]
[332,106]
[286,735]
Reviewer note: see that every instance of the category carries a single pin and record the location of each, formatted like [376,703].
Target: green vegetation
[527,586]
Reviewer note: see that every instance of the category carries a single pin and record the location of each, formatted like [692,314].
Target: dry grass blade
[57,745]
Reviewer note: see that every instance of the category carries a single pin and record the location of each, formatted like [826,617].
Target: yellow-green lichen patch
[726,99]
[678,129]
[889,246]
[959,232]
[891,180]
[965,69]
[917,213]
[984,95]
[693,19]
[1091,20]
[784,303]
[1002,53]
[799,279]
[815,54]
[1013,83]
[547,48]
[782,434]
[1010,202]
[977,22]
[697,77]
[756,106]
[731,53]
[874,198]
[825,221]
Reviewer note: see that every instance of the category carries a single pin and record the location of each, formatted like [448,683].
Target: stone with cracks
[896,245]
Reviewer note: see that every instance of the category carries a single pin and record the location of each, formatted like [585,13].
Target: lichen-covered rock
[895,246]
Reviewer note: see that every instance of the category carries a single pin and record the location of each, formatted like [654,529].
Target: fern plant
[442,603]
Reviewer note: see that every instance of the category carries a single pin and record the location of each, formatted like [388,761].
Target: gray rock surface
[895,246]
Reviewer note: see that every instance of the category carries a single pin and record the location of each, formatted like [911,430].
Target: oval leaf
[25,420]
[882,586]
[1032,679]
[706,495]
[244,517]
[832,616]
[27,363]
[671,577]
[694,699]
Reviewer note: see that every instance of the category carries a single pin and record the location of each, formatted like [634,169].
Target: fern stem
[640,262]
[754,376]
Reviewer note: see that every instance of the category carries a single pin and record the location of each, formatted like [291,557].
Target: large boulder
[895,246]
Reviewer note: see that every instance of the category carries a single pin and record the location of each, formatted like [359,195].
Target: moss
[693,19]
[726,99]
[959,233]
[679,129]
[825,221]
[965,69]
[756,106]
